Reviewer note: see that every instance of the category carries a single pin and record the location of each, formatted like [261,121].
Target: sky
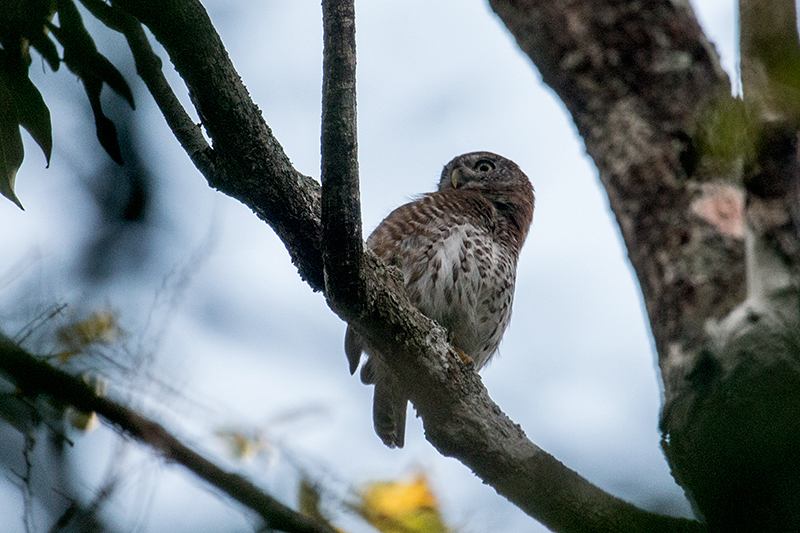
[225,333]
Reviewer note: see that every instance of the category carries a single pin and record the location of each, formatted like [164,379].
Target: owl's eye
[483,165]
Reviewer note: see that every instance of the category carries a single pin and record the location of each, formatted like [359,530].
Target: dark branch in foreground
[343,245]
[34,377]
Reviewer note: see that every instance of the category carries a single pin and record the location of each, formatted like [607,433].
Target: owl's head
[482,170]
[497,179]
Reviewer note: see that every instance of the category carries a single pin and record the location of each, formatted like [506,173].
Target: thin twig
[343,246]
[33,377]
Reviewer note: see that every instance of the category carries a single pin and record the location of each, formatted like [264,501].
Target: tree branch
[34,377]
[645,90]
[148,65]
[462,421]
[343,244]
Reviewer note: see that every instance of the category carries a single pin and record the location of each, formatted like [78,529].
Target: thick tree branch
[462,421]
[34,377]
[645,88]
[343,244]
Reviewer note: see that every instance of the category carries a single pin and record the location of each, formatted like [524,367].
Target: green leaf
[45,46]
[82,58]
[32,112]
[113,78]
[106,132]
[11,150]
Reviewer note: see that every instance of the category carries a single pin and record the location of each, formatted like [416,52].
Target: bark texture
[342,243]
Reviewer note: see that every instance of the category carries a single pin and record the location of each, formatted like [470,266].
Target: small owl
[457,249]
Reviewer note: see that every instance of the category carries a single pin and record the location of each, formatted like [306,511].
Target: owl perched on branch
[457,249]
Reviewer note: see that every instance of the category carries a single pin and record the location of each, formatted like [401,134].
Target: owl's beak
[455,177]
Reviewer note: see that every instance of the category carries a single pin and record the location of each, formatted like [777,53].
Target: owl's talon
[467,360]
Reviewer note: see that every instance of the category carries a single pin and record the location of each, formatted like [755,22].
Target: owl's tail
[389,403]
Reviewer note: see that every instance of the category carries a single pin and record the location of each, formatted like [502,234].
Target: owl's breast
[464,279]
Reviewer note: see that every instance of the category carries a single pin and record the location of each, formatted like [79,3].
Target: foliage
[26,24]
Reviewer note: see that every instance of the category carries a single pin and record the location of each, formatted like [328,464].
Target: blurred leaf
[100,328]
[82,58]
[87,422]
[308,500]
[106,131]
[11,149]
[725,135]
[23,24]
[81,55]
[242,447]
[64,356]
[401,507]
[45,46]
[113,78]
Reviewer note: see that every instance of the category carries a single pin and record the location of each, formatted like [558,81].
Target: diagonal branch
[34,377]
[463,422]
[343,245]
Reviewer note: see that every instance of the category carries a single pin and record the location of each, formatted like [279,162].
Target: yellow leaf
[82,420]
[100,328]
[241,446]
[402,507]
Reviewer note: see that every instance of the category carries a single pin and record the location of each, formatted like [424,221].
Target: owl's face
[482,171]
[498,180]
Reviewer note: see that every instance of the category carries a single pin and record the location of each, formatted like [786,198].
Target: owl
[457,249]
